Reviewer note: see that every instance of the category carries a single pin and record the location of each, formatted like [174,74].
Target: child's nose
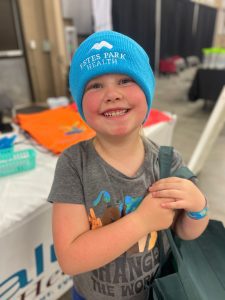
[112,94]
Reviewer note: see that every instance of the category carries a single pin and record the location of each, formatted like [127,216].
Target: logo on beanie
[102,58]
[102,44]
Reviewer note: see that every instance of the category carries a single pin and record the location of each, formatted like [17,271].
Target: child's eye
[126,80]
[93,86]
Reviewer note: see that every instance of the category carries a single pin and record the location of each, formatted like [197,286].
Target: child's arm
[185,196]
[80,249]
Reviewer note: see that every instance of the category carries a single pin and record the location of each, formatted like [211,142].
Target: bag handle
[165,163]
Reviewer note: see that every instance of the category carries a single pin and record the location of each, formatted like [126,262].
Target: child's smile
[115,113]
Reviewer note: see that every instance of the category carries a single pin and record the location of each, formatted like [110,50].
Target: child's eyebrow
[95,80]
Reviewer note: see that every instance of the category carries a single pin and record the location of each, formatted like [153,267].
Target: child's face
[114,104]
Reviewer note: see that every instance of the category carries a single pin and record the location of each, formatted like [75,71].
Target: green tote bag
[197,267]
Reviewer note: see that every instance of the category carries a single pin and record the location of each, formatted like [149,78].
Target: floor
[171,95]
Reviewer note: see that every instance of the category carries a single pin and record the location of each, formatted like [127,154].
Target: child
[109,204]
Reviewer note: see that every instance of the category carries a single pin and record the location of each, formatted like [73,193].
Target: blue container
[12,162]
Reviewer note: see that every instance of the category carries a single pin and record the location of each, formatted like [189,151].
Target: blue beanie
[107,52]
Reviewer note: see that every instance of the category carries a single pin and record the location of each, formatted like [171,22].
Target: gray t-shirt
[83,177]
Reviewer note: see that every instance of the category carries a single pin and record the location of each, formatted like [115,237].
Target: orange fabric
[56,129]
[155,117]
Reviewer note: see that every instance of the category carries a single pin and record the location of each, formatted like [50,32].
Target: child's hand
[152,216]
[178,193]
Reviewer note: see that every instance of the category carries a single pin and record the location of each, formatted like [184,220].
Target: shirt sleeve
[67,185]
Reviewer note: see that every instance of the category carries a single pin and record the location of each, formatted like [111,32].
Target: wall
[80,12]
[219,39]
[14,80]
[43,31]
[213,3]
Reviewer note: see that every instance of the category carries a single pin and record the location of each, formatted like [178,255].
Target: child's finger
[168,180]
[167,194]
[173,205]
[166,185]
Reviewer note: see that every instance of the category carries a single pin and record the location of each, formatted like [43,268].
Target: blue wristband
[198,215]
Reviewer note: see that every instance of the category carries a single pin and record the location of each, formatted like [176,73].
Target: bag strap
[183,172]
[165,163]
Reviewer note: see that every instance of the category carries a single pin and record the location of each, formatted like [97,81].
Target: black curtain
[176,28]
[136,18]
[203,37]
[177,35]
[186,37]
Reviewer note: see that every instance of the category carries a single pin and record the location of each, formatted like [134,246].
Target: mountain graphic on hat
[99,46]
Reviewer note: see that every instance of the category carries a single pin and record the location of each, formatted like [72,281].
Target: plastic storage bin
[12,162]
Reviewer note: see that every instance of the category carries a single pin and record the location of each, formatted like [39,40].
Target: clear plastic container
[12,162]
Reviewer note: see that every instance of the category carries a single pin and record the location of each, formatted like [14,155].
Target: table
[29,269]
[207,84]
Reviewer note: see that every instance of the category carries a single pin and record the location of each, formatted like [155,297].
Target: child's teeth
[115,113]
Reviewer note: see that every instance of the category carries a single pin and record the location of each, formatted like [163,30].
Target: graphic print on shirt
[132,272]
[113,213]
[125,277]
